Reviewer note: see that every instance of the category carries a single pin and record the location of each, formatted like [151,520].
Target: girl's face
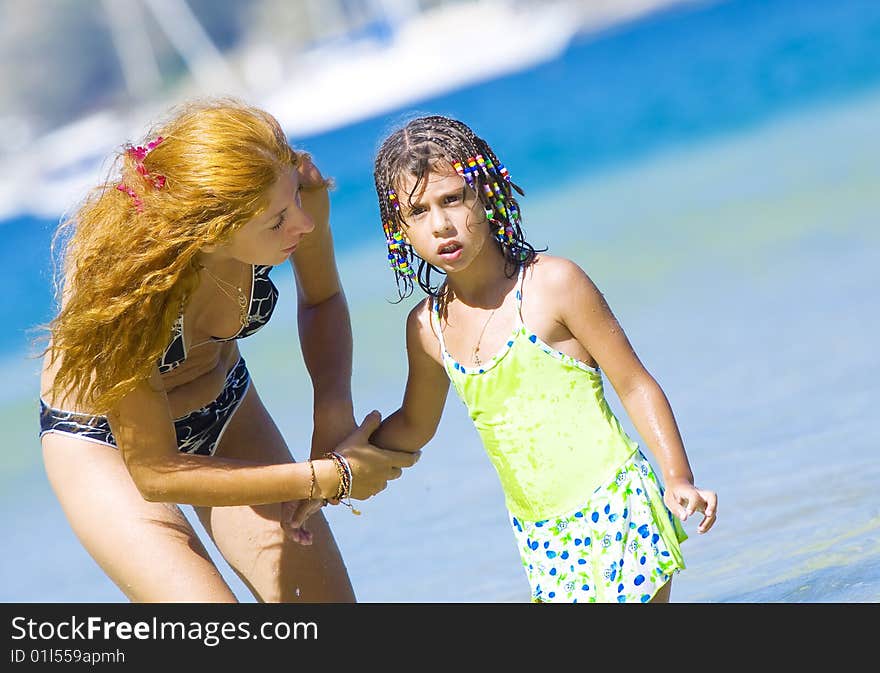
[445,221]
[271,237]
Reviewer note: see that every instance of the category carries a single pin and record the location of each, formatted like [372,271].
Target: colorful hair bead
[465,171]
[502,232]
[396,250]
[515,214]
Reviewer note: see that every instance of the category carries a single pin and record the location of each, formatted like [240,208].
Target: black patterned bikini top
[264,294]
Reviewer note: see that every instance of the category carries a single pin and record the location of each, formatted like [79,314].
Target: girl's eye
[280,223]
[452,198]
[415,212]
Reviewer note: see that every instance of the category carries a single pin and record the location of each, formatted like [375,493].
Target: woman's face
[445,222]
[272,237]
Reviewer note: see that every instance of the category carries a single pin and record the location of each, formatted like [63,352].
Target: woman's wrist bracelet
[343,468]
[341,473]
[313,480]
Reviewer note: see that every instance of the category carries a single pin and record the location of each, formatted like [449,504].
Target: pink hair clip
[138,154]
[138,204]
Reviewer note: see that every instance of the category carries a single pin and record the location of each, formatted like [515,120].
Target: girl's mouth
[450,251]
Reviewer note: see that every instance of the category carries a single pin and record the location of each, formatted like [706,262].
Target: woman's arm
[414,424]
[144,432]
[586,314]
[323,318]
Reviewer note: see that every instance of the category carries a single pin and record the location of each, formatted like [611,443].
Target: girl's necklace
[242,299]
[476,354]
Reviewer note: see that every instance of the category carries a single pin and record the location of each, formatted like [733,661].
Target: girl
[146,402]
[524,338]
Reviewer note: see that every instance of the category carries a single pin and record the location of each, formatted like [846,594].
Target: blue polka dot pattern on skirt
[611,550]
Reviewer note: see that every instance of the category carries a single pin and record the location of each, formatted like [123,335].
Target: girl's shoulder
[419,316]
[421,310]
[421,329]
[554,274]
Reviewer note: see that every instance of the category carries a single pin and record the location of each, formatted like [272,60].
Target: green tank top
[543,420]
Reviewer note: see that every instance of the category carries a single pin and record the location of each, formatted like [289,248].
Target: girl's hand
[683,499]
[372,468]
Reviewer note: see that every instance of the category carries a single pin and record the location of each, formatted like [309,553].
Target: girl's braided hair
[414,150]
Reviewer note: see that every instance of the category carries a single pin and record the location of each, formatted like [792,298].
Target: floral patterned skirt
[621,546]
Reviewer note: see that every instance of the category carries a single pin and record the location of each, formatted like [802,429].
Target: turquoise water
[721,193]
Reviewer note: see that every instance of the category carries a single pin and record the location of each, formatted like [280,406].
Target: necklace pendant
[476,356]
[243,316]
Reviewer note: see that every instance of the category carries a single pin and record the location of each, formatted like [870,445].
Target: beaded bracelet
[348,473]
[345,479]
[341,473]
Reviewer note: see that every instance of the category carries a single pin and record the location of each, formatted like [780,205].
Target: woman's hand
[294,514]
[371,467]
[314,191]
[683,499]
[331,425]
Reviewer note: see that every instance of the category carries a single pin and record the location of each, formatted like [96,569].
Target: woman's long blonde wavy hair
[127,271]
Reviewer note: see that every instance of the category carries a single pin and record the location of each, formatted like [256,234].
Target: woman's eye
[279,224]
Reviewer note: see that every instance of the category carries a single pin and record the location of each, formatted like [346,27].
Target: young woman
[146,401]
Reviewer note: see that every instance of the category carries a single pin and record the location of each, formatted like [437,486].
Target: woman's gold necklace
[476,354]
[241,300]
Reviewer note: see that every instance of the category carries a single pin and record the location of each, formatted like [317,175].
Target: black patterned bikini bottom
[198,432]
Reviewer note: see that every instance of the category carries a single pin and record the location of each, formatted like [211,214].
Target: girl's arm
[411,427]
[414,424]
[586,314]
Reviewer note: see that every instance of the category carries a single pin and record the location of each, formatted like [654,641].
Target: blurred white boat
[426,53]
